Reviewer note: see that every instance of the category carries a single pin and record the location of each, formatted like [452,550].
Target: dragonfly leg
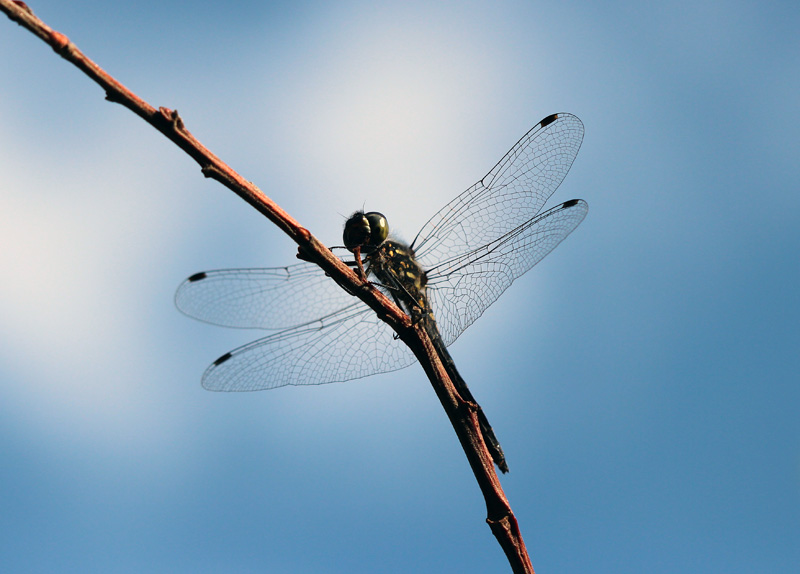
[360,264]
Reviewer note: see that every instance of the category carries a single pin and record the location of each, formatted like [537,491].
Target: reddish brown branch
[462,414]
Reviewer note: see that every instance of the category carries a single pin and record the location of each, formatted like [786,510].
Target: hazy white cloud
[84,233]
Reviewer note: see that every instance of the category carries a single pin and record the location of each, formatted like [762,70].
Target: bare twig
[462,414]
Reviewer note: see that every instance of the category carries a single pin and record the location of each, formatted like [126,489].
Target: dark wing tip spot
[222,359]
[570,203]
[197,277]
[548,120]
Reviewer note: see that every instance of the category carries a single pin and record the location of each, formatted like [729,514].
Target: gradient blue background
[643,379]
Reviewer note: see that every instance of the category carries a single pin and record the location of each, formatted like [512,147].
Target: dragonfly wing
[462,288]
[273,298]
[513,192]
[349,344]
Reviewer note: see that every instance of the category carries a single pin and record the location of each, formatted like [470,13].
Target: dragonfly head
[365,230]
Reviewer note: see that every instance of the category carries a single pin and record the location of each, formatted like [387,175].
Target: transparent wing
[513,192]
[274,298]
[349,344]
[472,250]
[461,288]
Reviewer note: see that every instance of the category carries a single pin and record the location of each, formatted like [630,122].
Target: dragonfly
[465,256]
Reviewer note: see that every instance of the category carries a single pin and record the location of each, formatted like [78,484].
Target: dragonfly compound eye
[365,230]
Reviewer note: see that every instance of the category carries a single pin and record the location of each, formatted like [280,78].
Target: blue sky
[643,379]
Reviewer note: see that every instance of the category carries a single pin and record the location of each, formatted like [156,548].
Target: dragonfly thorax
[394,266]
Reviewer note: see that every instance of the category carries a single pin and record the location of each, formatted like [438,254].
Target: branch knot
[59,42]
[172,117]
